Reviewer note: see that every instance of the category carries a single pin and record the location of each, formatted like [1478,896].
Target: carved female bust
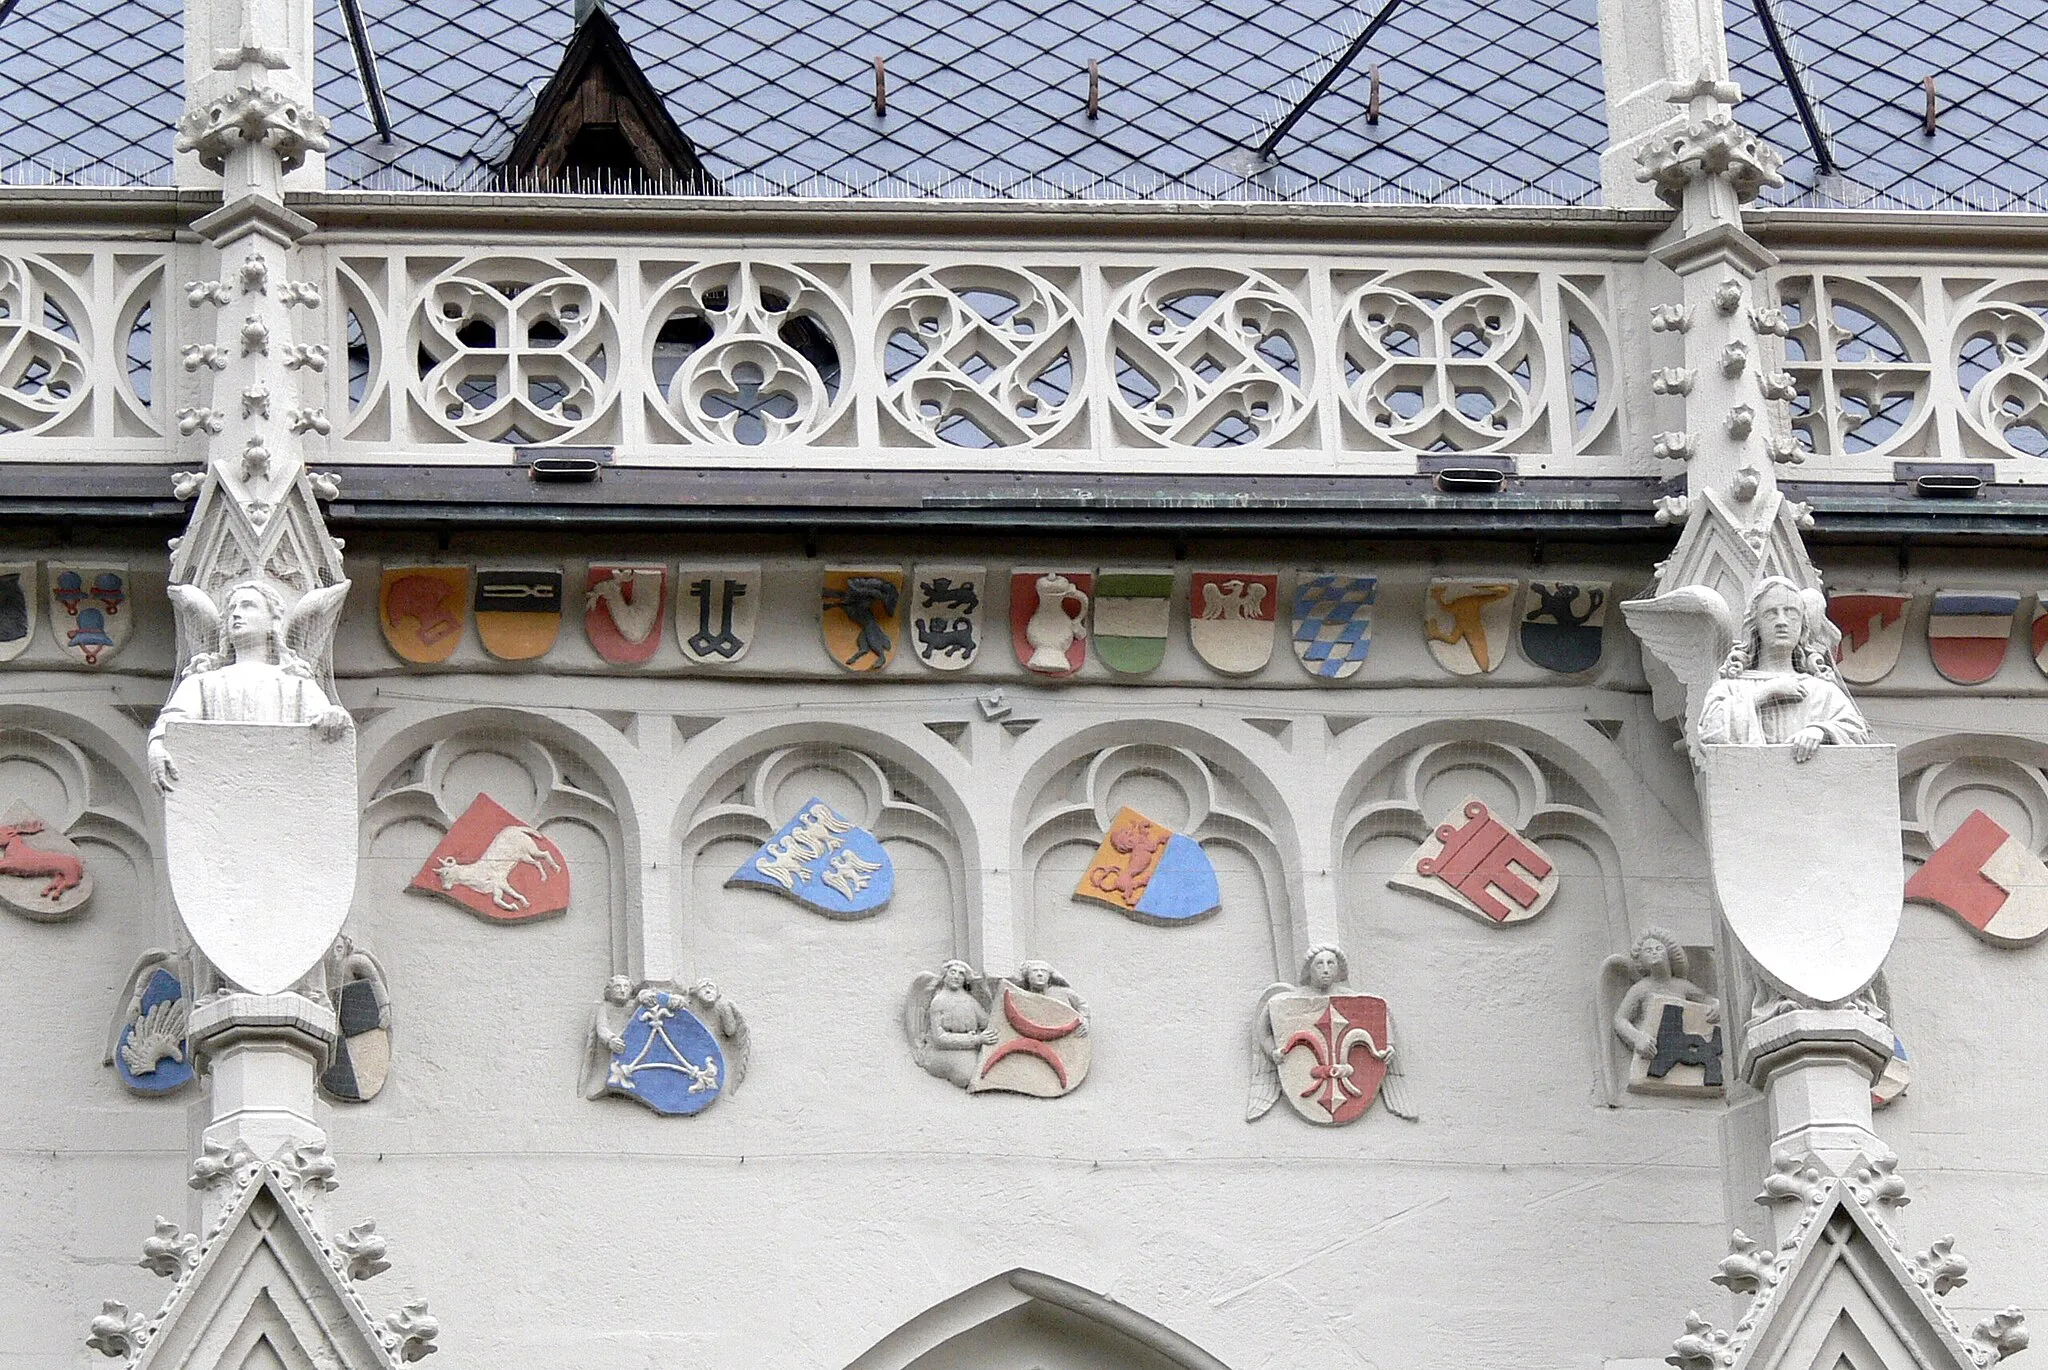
[1778,685]
[252,676]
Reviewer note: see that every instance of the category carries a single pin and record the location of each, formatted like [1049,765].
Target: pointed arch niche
[835,985]
[418,783]
[80,781]
[1541,977]
[1024,1320]
[1198,785]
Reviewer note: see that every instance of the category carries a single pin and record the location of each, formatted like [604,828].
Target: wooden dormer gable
[599,120]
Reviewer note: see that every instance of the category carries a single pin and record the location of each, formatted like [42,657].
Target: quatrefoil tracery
[981,356]
[514,350]
[1211,357]
[1443,362]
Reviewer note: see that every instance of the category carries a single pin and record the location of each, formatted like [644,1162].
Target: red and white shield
[1039,1047]
[497,866]
[1332,1053]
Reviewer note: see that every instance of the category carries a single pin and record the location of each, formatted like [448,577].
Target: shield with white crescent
[1333,1050]
[1806,861]
[260,841]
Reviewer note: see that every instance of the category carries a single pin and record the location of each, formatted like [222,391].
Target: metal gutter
[1529,509]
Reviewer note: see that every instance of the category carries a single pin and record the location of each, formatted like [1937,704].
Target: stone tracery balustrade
[1275,361]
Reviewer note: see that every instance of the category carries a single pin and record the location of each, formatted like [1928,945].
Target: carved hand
[1807,743]
[333,723]
[1785,690]
[162,773]
[987,1036]
[616,1043]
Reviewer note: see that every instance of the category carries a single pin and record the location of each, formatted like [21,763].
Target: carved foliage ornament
[1713,146]
[252,115]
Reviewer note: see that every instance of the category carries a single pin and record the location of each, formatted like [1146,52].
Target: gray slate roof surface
[1481,100]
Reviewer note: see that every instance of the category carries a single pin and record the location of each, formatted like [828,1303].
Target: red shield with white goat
[1333,1053]
[497,866]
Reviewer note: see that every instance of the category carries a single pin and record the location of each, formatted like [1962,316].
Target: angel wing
[309,631]
[1394,1088]
[917,1008]
[739,1043]
[1264,1090]
[1689,629]
[128,1005]
[198,620]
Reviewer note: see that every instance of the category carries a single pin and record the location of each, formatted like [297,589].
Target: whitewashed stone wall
[842,1193]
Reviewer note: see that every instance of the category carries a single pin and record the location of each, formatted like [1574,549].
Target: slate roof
[1480,100]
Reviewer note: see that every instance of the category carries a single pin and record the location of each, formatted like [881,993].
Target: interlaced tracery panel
[513,349]
[1287,361]
[748,352]
[983,356]
[2001,365]
[1210,357]
[44,366]
[1859,362]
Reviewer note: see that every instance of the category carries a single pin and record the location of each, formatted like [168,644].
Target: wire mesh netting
[90,91]
[1478,100]
[990,100]
[1866,63]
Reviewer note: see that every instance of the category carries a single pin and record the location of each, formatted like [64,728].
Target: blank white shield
[1806,861]
[260,841]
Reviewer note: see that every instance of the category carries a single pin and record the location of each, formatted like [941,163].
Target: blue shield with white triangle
[671,1062]
[1331,624]
[825,861]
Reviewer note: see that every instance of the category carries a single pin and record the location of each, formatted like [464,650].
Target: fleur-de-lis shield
[1333,1051]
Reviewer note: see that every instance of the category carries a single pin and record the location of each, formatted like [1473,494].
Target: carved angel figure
[268,664]
[1769,681]
[722,1016]
[1779,683]
[947,1018]
[1040,978]
[607,1034]
[1332,1040]
[1658,963]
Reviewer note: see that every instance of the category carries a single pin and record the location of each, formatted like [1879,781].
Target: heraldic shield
[1332,1053]
[260,832]
[671,1062]
[1806,861]
[1041,1046]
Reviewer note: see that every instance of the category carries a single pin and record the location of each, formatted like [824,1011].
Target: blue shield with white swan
[671,1062]
[824,861]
